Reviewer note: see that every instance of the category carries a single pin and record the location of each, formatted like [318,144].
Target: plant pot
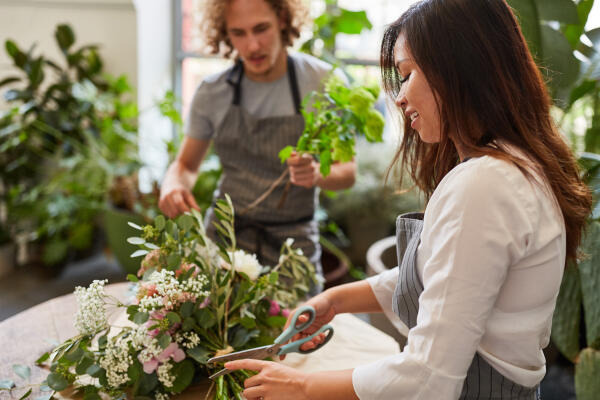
[334,269]
[381,256]
[7,258]
[117,231]
[363,232]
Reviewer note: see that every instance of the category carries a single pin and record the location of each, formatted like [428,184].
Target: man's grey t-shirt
[214,96]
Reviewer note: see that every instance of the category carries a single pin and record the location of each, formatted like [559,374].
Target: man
[251,111]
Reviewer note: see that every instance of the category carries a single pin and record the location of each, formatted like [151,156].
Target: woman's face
[416,100]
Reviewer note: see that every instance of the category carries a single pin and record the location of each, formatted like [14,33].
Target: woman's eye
[404,78]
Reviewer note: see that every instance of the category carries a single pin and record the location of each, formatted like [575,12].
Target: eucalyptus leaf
[140,317]
[23,371]
[57,382]
[159,222]
[6,384]
[164,340]
[186,309]
[173,317]
[184,373]
[199,354]
[83,365]
[185,222]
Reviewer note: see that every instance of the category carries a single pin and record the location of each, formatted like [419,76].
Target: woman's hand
[324,313]
[273,382]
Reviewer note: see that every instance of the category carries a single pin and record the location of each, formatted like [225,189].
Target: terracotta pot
[334,269]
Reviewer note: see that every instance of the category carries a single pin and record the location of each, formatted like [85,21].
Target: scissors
[279,348]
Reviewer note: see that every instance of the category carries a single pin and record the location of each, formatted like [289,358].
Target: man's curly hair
[214,29]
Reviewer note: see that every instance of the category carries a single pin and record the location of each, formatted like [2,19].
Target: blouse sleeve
[477,223]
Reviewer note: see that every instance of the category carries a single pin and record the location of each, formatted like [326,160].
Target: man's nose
[253,43]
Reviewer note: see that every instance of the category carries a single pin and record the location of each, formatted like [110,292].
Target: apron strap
[293,83]
[234,78]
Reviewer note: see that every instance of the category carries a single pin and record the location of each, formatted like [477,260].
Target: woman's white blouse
[491,260]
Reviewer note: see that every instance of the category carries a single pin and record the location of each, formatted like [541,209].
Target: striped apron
[482,381]
[248,149]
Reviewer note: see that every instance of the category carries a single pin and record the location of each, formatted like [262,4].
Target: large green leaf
[590,284]
[573,32]
[184,373]
[587,371]
[352,22]
[64,37]
[566,319]
[563,11]
[558,58]
[527,14]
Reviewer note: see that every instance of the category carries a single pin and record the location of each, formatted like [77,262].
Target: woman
[479,273]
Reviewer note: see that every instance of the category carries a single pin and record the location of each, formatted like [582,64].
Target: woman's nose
[400,100]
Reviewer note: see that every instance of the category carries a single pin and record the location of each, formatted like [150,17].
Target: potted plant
[56,111]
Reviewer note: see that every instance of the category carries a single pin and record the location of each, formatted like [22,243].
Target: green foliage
[554,29]
[327,26]
[68,131]
[334,119]
[587,384]
[553,48]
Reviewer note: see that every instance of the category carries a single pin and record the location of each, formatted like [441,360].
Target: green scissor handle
[294,329]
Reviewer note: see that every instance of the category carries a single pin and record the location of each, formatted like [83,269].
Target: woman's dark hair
[488,87]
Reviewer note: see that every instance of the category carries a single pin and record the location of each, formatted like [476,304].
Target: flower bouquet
[195,298]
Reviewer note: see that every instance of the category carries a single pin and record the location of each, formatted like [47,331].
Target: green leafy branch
[333,119]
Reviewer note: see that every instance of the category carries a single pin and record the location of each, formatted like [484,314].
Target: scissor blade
[224,371]
[257,353]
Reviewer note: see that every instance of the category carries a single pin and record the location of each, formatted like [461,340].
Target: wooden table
[26,336]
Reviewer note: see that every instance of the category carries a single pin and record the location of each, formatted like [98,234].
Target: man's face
[255,31]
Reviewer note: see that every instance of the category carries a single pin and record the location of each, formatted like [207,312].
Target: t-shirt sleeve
[199,125]
[476,226]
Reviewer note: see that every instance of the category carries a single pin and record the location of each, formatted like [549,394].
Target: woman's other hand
[273,381]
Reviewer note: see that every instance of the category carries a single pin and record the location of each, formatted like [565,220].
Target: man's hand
[304,171]
[175,200]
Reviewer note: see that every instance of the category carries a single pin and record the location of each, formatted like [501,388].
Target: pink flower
[172,351]
[184,267]
[205,303]
[152,260]
[285,312]
[150,366]
[274,309]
